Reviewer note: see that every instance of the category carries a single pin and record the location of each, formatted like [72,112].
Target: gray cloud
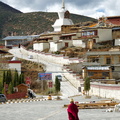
[41,4]
[93,8]
[85,3]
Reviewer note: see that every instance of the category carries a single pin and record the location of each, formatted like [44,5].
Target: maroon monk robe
[73,111]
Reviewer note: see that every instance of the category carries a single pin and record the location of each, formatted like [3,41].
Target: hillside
[4,7]
[6,12]
[14,22]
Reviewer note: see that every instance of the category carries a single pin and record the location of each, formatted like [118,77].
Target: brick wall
[16,95]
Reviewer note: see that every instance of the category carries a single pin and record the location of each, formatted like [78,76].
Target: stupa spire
[63,4]
[63,18]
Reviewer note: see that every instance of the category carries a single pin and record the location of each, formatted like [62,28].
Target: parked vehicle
[59,77]
[3,98]
[31,94]
[30,57]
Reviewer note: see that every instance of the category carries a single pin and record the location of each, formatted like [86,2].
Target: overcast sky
[91,8]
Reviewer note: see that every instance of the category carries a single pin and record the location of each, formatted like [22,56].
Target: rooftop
[103,53]
[20,37]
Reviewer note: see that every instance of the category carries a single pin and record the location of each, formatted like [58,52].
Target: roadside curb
[23,100]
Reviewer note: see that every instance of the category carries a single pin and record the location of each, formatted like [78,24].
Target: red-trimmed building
[15,65]
[109,21]
[115,20]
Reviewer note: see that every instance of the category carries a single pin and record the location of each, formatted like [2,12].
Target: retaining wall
[105,90]
[53,58]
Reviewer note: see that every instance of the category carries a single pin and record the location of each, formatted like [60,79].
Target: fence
[17,95]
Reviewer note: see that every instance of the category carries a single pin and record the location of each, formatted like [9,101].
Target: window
[108,60]
[66,44]
[95,32]
[1,96]
[90,74]
[119,59]
[93,59]
[89,33]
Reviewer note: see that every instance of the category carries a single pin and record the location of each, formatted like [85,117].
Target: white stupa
[63,18]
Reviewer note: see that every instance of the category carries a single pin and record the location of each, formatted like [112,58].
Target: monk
[72,111]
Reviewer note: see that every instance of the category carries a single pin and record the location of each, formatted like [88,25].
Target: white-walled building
[11,41]
[15,65]
[41,46]
[104,34]
[98,33]
[56,46]
[117,42]
[116,35]
[90,36]
[78,43]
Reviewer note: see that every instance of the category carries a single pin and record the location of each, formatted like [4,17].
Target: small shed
[20,92]
[22,88]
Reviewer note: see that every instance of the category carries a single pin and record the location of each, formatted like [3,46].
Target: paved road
[52,110]
[49,66]
[66,88]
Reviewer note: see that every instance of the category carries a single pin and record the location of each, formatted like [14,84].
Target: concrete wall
[5,42]
[55,38]
[72,78]
[78,34]
[116,69]
[104,35]
[78,43]
[105,90]
[36,46]
[16,66]
[40,46]
[55,46]
[53,58]
[117,42]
